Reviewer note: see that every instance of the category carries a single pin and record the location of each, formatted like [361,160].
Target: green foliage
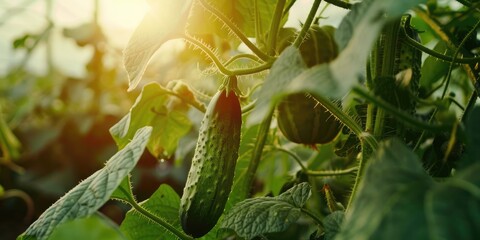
[256,216]
[165,203]
[91,227]
[252,17]
[472,154]
[88,196]
[407,198]
[156,28]
[332,224]
[155,107]
[423,184]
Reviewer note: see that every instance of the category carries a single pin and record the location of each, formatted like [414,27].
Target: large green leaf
[453,209]
[165,19]
[242,13]
[390,197]
[164,112]
[330,80]
[88,196]
[398,200]
[256,216]
[332,224]
[164,203]
[92,227]
[376,11]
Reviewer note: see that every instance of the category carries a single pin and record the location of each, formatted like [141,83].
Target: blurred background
[63,85]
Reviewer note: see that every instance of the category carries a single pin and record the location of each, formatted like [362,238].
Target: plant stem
[457,51]
[159,221]
[366,153]
[235,30]
[243,55]
[310,214]
[257,154]
[331,173]
[379,123]
[340,4]
[323,173]
[347,121]
[25,197]
[221,67]
[277,17]
[438,55]
[405,117]
[295,157]
[308,22]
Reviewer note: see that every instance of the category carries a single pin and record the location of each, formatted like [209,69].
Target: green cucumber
[211,174]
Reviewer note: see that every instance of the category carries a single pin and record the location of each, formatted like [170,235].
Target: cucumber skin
[211,174]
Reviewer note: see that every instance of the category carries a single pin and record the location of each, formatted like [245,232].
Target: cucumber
[210,177]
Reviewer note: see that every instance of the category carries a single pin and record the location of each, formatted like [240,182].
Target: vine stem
[322,173]
[348,121]
[277,17]
[257,153]
[332,173]
[310,214]
[400,114]
[243,55]
[438,55]
[457,51]
[220,66]
[366,153]
[158,220]
[25,197]
[340,4]
[306,25]
[235,30]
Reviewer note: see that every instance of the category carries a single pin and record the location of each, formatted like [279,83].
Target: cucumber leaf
[88,196]
[164,202]
[157,27]
[332,224]
[242,13]
[396,196]
[256,216]
[330,80]
[93,227]
[157,108]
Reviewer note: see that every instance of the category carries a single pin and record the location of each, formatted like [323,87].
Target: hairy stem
[159,220]
[332,173]
[257,154]
[277,18]
[235,30]
[438,55]
[221,67]
[311,215]
[308,22]
[243,55]
[348,121]
[401,115]
[366,153]
[340,4]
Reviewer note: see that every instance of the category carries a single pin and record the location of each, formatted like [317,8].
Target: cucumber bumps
[211,175]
